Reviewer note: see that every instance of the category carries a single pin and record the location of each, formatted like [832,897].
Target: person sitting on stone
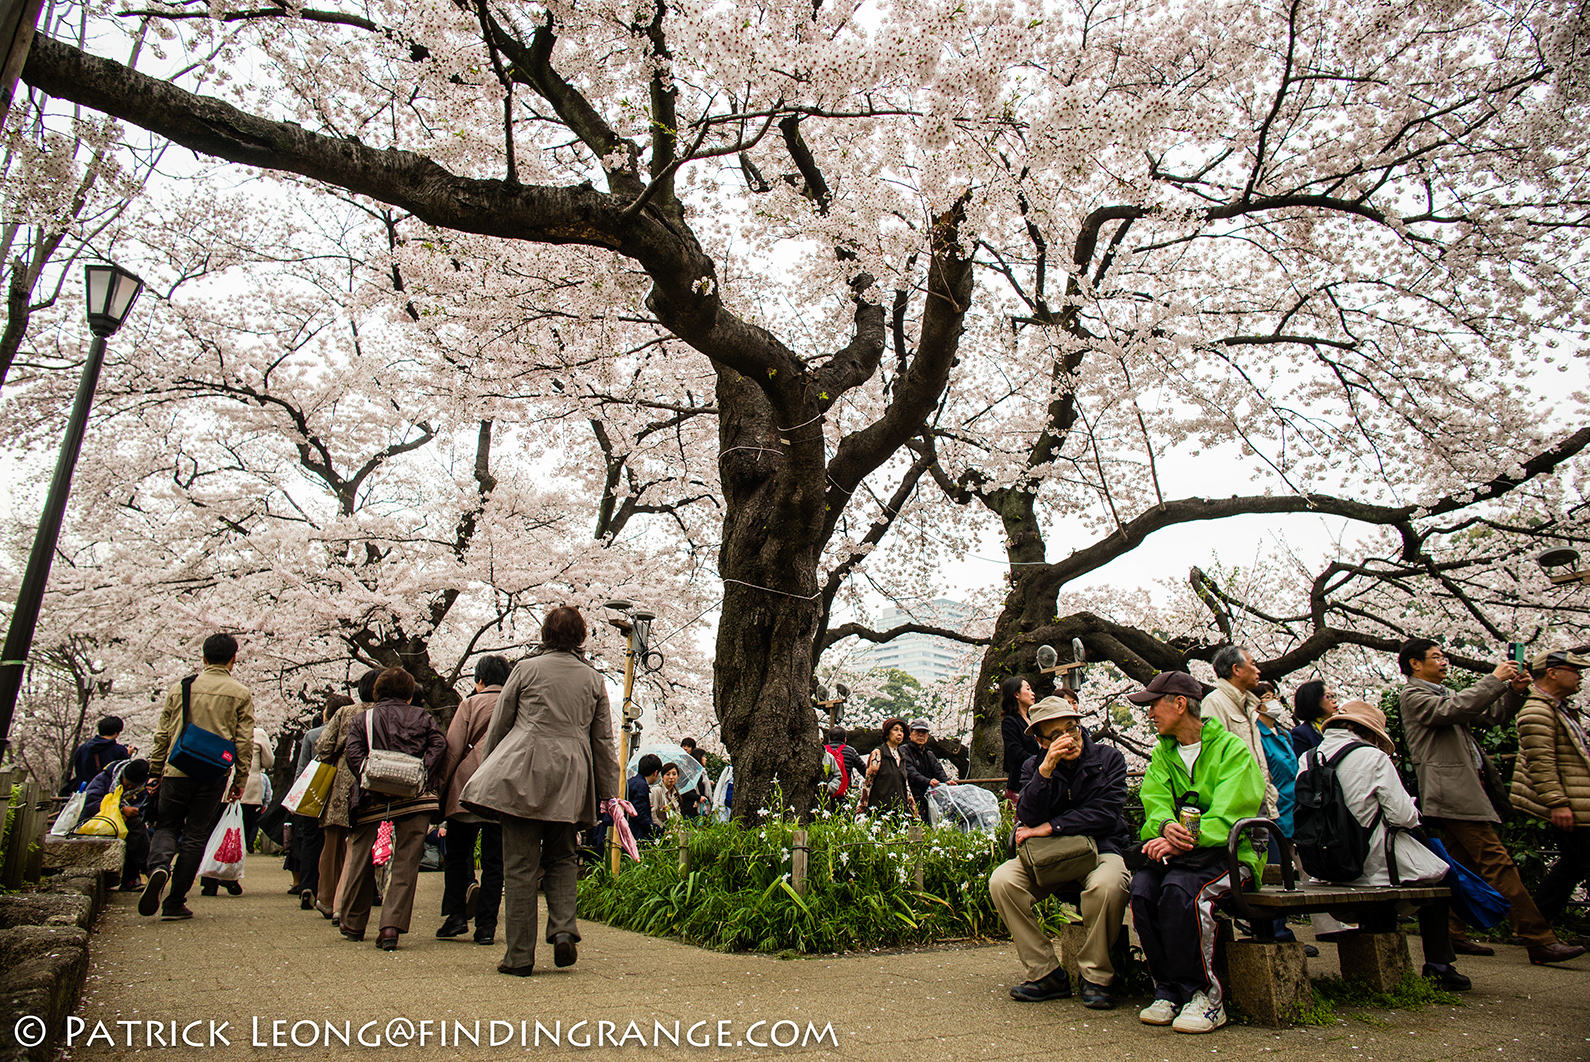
[131,775]
[1077,788]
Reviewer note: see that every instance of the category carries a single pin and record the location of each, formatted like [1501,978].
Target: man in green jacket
[1197,764]
[217,702]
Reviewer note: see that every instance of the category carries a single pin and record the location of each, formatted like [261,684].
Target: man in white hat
[1076,788]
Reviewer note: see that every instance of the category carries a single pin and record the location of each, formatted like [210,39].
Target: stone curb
[44,957]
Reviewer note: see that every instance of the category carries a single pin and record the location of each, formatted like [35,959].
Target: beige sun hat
[1367,716]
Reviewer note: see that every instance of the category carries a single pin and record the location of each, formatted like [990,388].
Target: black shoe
[453,927]
[1096,997]
[516,971]
[564,950]
[471,900]
[209,890]
[485,939]
[234,888]
[1446,977]
[306,900]
[175,913]
[1465,946]
[485,932]
[1053,985]
[149,903]
[293,890]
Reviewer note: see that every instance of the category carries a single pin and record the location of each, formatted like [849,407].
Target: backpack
[1332,843]
[838,791]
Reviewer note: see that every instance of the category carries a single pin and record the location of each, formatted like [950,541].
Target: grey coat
[1439,724]
[549,752]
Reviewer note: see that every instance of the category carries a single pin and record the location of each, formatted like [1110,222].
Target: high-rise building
[926,658]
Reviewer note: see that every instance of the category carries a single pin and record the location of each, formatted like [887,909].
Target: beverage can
[1190,818]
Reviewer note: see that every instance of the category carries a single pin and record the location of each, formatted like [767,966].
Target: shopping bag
[223,852]
[381,852]
[1474,901]
[107,821]
[969,808]
[310,790]
[66,821]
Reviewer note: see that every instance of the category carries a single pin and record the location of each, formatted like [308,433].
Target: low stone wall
[44,956]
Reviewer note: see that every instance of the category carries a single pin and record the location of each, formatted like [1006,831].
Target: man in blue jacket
[1076,788]
[96,754]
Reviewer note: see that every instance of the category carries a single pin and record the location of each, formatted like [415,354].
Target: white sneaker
[1200,1016]
[1159,1012]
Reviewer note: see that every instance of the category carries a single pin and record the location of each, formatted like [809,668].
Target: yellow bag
[107,822]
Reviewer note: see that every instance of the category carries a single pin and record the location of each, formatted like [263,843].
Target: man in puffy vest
[1552,781]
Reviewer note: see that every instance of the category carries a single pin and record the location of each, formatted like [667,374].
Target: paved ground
[255,960]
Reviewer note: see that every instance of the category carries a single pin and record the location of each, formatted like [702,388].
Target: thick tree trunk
[773,485]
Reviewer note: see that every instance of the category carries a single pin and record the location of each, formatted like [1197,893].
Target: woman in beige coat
[547,757]
[332,748]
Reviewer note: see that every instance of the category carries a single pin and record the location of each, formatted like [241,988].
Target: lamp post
[111,292]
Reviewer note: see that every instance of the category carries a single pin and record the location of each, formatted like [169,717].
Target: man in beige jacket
[1236,705]
[220,704]
[1552,781]
[1438,724]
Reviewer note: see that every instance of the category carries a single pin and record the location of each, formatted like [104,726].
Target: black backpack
[1331,842]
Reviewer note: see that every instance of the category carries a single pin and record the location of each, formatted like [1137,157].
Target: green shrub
[860,887]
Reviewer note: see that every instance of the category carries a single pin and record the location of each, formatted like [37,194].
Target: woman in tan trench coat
[547,757]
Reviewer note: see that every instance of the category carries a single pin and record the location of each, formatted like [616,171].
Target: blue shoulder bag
[198,753]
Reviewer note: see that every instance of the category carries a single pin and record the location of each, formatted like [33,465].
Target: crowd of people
[528,765]
[1228,754]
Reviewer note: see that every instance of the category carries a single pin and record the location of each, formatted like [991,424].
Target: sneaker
[1096,997]
[1446,977]
[154,889]
[1052,985]
[177,913]
[1159,1012]
[1200,1016]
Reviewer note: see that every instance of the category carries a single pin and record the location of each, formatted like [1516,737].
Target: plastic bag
[223,852]
[969,808]
[107,821]
[723,795]
[381,851]
[66,821]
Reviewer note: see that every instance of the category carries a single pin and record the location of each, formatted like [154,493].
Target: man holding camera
[1439,725]
[1076,789]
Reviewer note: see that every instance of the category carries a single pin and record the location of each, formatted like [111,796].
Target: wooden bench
[1269,978]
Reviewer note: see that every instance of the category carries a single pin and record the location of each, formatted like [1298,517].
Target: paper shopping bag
[310,790]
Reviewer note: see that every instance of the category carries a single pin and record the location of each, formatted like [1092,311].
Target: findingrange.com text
[303,1033]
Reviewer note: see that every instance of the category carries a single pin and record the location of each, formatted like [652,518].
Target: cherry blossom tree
[1043,255]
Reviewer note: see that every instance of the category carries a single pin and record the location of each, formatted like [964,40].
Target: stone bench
[1269,978]
[102,854]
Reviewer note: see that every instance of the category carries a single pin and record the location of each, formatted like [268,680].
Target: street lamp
[1559,564]
[111,293]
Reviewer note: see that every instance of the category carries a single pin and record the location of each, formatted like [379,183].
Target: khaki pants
[333,850]
[357,891]
[535,850]
[1476,846]
[1104,895]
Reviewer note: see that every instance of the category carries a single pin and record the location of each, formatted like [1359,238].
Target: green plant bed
[860,888]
